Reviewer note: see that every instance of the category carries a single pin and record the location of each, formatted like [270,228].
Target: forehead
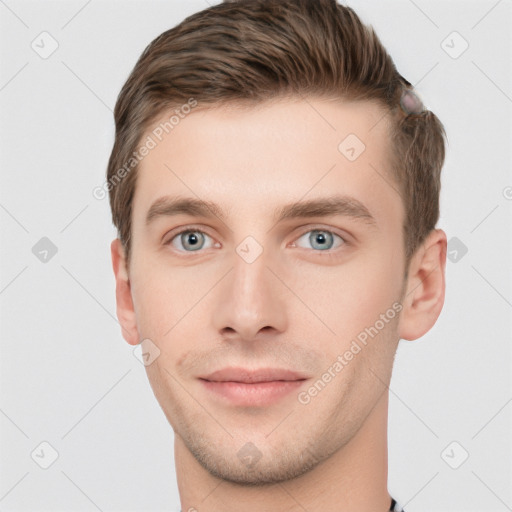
[252,159]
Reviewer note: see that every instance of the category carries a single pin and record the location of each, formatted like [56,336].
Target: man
[275,185]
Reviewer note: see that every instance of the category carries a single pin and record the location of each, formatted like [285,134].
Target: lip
[260,387]
[247,376]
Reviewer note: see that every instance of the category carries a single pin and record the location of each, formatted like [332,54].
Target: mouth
[244,387]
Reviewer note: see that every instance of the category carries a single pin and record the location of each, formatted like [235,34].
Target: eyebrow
[345,206]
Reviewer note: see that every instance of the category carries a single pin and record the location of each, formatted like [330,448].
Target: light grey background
[67,375]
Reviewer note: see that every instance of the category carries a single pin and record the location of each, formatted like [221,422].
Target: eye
[190,240]
[193,240]
[321,239]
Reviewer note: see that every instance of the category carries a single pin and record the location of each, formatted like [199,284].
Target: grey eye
[321,239]
[190,240]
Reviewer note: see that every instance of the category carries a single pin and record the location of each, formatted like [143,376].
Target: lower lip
[257,394]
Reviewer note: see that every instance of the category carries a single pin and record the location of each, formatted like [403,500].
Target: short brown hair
[257,50]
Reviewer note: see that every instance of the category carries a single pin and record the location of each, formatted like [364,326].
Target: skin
[292,307]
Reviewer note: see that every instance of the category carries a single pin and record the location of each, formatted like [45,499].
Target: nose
[250,301]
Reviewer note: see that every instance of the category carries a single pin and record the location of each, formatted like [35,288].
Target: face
[272,310]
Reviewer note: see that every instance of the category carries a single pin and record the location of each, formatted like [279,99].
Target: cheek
[165,297]
[351,296]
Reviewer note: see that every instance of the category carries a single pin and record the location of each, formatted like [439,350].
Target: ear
[125,310]
[425,288]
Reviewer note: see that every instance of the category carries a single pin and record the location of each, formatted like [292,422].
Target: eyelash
[329,253]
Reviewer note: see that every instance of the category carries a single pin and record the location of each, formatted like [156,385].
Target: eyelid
[173,233]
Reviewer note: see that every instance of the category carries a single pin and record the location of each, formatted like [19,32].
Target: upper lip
[252,376]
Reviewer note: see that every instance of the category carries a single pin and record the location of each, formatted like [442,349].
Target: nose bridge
[250,297]
[250,278]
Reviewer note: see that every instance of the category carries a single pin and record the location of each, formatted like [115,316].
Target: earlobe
[425,290]
[124,309]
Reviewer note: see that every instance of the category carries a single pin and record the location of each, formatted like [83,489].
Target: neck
[353,478]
